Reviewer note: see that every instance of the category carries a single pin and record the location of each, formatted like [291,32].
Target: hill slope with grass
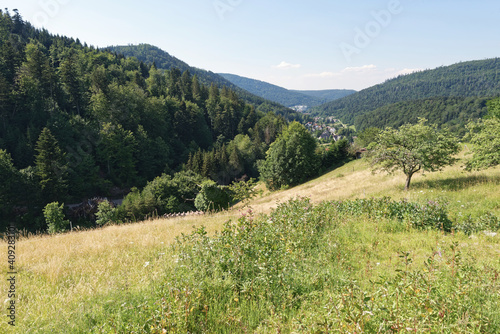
[351,264]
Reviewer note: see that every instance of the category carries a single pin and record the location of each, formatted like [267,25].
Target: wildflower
[146,264]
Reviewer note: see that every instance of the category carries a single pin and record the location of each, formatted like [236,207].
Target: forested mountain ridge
[78,122]
[327,94]
[284,96]
[474,79]
[454,112]
[150,54]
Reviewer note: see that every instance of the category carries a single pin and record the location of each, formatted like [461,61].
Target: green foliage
[291,159]
[10,182]
[51,168]
[243,191]
[494,108]
[213,197]
[413,148]
[54,218]
[120,119]
[432,215]
[451,112]
[116,153]
[294,270]
[254,261]
[335,154]
[367,136]
[486,222]
[164,194]
[425,87]
[451,294]
[150,54]
[106,213]
[484,136]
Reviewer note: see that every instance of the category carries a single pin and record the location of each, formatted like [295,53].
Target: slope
[284,96]
[150,54]
[475,79]
[118,276]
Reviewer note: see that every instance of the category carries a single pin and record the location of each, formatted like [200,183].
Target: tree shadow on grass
[456,183]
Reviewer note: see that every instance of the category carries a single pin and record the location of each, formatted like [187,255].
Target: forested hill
[327,95]
[150,54]
[474,79]
[284,96]
[78,122]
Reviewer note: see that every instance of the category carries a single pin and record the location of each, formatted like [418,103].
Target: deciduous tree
[291,159]
[413,148]
[484,136]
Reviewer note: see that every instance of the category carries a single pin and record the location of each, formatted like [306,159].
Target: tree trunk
[408,180]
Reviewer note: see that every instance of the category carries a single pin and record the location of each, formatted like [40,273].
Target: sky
[305,45]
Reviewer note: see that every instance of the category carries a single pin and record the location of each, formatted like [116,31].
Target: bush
[54,217]
[165,194]
[106,213]
[487,222]
[213,197]
[432,215]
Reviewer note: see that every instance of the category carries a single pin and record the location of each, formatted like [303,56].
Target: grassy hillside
[475,79]
[284,96]
[338,271]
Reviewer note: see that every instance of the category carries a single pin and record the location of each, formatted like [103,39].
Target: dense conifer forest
[151,54]
[78,122]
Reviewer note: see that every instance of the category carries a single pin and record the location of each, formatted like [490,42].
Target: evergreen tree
[51,167]
[70,78]
[10,185]
[116,153]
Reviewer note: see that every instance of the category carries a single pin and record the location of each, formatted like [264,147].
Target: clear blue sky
[316,44]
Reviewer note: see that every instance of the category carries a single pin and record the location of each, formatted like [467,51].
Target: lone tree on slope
[413,148]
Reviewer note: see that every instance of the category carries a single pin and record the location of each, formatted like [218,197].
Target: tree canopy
[78,122]
[484,135]
[291,159]
[413,148]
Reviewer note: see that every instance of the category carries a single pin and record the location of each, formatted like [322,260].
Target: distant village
[326,128]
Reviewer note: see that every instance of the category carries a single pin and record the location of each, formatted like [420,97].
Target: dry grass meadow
[61,277]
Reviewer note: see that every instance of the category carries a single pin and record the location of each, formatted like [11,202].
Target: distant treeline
[438,95]
[453,112]
[284,96]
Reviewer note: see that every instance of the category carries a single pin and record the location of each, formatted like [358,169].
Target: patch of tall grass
[329,268]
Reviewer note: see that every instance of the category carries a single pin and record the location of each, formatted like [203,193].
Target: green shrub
[106,213]
[432,215]
[486,222]
[213,197]
[294,271]
[54,217]
[164,194]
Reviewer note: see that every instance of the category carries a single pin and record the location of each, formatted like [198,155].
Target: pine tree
[51,168]
[186,86]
